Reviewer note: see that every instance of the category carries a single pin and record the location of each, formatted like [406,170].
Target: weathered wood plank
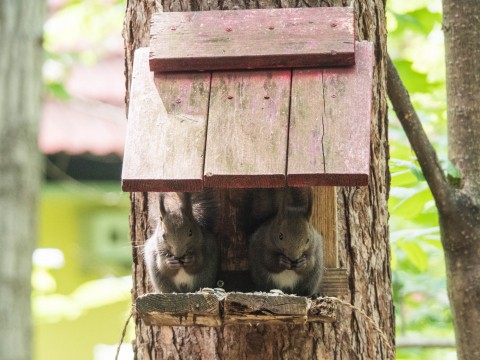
[166,133]
[329,135]
[247,129]
[203,309]
[264,304]
[252,39]
[254,308]
[306,161]
[324,219]
[179,309]
[348,111]
[334,282]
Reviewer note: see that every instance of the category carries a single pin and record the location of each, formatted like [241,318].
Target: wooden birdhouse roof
[250,98]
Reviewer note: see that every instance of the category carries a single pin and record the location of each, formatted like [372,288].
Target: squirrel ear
[162,206]
[309,204]
[281,205]
[186,204]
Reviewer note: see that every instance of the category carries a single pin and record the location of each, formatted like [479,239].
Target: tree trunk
[362,232]
[460,218]
[21,23]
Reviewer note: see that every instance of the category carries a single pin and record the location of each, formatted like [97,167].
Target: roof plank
[329,135]
[348,114]
[166,132]
[252,39]
[247,129]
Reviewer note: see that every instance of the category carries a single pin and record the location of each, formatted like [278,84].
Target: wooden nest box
[250,99]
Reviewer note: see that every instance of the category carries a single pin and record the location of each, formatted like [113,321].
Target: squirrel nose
[181,259]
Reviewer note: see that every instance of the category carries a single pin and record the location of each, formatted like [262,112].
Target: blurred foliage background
[415,44]
[81,272]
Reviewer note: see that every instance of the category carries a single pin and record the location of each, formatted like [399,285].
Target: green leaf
[413,234]
[403,178]
[421,20]
[58,91]
[413,80]
[415,254]
[413,167]
[412,201]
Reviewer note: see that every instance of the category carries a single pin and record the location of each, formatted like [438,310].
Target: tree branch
[424,343]
[426,155]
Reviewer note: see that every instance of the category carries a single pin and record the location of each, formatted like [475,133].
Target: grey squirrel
[286,252]
[182,254]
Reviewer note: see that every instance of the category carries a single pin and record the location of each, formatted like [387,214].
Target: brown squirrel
[286,252]
[182,254]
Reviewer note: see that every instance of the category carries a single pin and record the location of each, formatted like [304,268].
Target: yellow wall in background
[85,301]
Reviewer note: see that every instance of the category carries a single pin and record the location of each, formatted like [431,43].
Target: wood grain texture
[252,39]
[197,309]
[334,282]
[233,242]
[179,309]
[324,220]
[167,122]
[306,159]
[329,134]
[247,129]
[348,113]
[272,305]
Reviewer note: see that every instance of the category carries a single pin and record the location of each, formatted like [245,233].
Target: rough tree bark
[21,23]
[362,230]
[459,208]
[460,224]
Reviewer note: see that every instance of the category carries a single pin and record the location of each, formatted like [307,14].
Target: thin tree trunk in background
[362,231]
[458,206]
[21,23]
[460,217]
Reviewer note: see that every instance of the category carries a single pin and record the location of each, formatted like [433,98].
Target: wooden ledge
[214,307]
[202,308]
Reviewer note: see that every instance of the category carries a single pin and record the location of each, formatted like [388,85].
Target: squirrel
[286,252]
[182,254]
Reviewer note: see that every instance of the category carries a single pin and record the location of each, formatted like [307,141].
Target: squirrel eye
[164,237]
[280,236]
[190,232]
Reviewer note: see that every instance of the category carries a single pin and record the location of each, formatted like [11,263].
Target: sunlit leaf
[58,91]
[413,234]
[421,20]
[413,203]
[415,254]
[403,178]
